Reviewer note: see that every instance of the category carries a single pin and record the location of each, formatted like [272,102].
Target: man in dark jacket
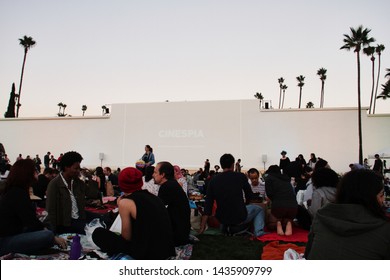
[176,201]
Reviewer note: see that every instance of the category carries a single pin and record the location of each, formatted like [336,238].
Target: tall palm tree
[84,108]
[301,83]
[379,49]
[280,81]
[357,39]
[370,51]
[284,87]
[63,109]
[322,73]
[26,43]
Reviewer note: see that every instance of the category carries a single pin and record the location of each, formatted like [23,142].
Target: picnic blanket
[90,253]
[299,235]
[275,251]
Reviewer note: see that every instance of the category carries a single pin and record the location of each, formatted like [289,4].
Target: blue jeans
[27,243]
[255,214]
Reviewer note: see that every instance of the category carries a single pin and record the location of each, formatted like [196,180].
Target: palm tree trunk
[372,88]
[284,92]
[20,83]
[322,94]
[300,96]
[280,97]
[377,81]
[359,113]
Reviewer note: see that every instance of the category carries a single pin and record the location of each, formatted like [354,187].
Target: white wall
[186,133]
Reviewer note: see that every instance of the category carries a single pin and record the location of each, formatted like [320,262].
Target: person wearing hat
[146,232]
[284,162]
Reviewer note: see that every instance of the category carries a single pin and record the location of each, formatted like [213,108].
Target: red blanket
[299,235]
[275,251]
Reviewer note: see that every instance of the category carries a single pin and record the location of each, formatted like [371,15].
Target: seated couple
[151,225]
[226,189]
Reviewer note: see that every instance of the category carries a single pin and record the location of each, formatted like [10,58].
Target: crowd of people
[343,213]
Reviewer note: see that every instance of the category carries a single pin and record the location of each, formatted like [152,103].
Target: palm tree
[370,51]
[379,49]
[84,108]
[280,81]
[260,97]
[63,109]
[301,83]
[356,40]
[385,91]
[60,105]
[26,43]
[386,87]
[310,104]
[322,73]
[284,87]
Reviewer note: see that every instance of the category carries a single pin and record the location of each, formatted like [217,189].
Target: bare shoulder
[127,206]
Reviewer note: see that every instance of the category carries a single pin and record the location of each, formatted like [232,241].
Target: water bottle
[75,249]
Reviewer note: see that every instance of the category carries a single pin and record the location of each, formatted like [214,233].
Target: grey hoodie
[348,232]
[321,196]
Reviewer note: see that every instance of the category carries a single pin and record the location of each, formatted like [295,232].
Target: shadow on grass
[221,247]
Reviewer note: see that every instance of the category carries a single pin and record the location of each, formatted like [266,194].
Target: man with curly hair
[65,200]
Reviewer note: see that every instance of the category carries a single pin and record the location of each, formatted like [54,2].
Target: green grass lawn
[221,247]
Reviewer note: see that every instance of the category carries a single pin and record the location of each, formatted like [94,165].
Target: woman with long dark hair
[355,226]
[20,229]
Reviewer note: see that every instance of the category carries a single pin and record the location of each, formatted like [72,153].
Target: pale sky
[102,52]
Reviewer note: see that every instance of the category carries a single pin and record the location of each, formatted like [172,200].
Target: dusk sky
[97,52]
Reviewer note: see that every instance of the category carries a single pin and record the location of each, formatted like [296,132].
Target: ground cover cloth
[275,251]
[299,235]
[89,252]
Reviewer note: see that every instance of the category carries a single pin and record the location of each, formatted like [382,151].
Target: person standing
[238,166]
[38,163]
[176,201]
[46,160]
[378,165]
[207,167]
[284,162]
[65,201]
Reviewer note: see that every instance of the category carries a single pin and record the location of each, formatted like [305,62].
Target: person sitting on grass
[175,200]
[227,190]
[20,229]
[355,227]
[146,232]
